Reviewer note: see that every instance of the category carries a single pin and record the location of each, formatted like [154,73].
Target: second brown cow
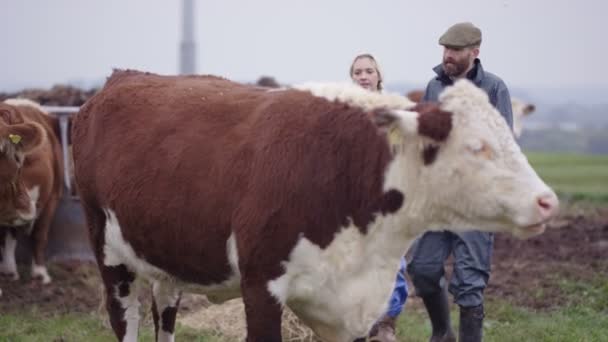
[30,182]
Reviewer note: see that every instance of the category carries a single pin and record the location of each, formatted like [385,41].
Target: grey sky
[526,42]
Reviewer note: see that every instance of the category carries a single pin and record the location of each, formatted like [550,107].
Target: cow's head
[17,139]
[460,167]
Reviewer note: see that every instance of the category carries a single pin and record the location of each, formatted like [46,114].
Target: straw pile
[227,321]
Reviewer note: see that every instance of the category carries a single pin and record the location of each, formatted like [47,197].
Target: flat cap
[461,35]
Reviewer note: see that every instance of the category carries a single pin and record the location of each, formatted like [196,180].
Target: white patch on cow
[41,272]
[164,336]
[117,251]
[8,266]
[407,121]
[131,305]
[357,96]
[164,296]
[340,291]
[34,194]
[29,215]
[233,260]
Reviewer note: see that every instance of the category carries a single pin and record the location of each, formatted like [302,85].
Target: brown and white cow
[302,197]
[30,182]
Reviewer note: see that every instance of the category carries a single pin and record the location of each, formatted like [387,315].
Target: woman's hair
[369,56]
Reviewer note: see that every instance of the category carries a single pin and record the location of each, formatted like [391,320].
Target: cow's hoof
[42,274]
[13,276]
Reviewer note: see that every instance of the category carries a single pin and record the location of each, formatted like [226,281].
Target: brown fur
[41,167]
[433,122]
[184,161]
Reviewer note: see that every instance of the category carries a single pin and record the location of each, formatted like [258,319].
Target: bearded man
[471,251]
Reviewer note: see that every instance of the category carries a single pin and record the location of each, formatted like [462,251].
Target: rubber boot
[439,313]
[471,324]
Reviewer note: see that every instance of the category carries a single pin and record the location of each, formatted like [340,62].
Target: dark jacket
[490,83]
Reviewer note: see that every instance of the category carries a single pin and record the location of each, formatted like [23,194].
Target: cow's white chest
[29,215]
[347,284]
[117,251]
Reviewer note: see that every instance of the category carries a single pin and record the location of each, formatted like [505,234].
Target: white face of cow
[479,179]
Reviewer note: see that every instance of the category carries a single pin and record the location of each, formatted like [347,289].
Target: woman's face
[365,73]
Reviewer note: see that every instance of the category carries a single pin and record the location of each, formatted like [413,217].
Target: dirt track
[577,250]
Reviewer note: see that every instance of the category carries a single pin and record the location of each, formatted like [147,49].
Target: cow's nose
[548,204]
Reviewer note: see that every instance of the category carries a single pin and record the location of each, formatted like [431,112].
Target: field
[574,176]
[550,288]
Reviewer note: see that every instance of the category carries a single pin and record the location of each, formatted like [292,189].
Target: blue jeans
[399,296]
[472,264]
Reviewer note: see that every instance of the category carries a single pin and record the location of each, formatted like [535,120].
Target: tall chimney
[187,62]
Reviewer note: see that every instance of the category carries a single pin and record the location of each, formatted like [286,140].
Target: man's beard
[455,68]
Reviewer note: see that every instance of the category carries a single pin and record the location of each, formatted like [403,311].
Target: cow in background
[30,182]
[268,82]
[305,197]
[520,109]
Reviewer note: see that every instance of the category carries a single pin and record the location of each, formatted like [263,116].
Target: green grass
[573,176]
[508,323]
[29,327]
[584,318]
[504,322]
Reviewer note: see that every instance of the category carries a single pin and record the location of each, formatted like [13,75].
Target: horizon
[552,95]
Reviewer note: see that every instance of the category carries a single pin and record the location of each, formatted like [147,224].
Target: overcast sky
[526,42]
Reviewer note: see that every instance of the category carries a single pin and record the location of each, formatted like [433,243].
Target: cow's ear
[433,122]
[395,120]
[529,109]
[25,137]
[6,115]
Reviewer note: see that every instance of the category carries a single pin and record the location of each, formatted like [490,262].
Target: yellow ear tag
[15,138]
[394,136]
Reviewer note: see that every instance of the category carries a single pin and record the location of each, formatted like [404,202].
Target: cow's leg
[121,301]
[263,313]
[164,310]
[119,282]
[8,244]
[39,238]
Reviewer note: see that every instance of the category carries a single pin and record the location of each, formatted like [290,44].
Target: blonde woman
[365,72]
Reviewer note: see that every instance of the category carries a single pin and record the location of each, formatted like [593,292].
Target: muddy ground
[576,248]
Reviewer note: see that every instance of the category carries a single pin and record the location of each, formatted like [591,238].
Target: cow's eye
[474,145]
[481,148]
